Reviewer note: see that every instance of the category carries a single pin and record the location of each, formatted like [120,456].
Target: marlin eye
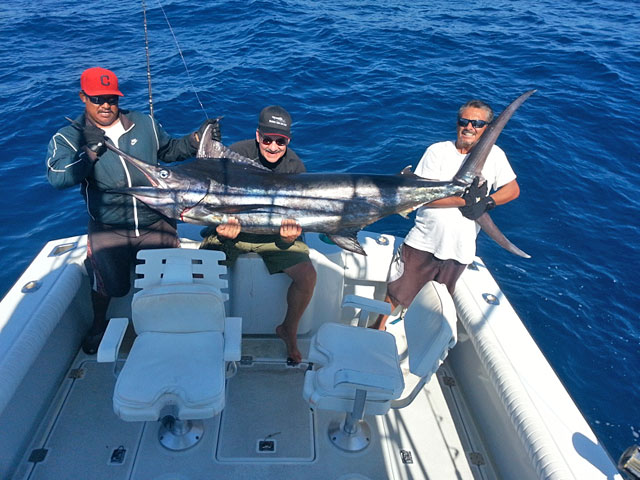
[164,173]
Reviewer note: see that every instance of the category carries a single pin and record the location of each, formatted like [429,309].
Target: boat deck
[264,403]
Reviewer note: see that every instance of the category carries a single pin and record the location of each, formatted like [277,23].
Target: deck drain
[406,457]
[266,446]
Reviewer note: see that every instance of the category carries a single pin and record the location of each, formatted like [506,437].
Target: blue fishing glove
[94,139]
[476,200]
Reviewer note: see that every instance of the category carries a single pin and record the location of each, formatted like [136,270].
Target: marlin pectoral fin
[348,241]
[494,232]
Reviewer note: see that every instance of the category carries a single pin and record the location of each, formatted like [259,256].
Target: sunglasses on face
[280,141]
[102,99]
[463,122]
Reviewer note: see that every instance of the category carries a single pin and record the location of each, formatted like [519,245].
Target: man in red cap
[119,225]
[284,252]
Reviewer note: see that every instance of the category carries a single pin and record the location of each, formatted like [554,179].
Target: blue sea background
[370,84]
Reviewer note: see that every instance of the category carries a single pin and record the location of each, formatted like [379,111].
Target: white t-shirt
[114,131]
[445,232]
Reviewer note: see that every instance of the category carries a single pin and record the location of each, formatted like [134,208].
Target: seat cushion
[186,370]
[178,308]
[344,354]
[430,326]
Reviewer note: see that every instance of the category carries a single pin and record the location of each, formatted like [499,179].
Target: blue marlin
[220,184]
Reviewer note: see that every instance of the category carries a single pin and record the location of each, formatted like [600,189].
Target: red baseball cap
[99,81]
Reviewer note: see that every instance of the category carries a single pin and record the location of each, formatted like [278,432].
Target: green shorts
[276,254]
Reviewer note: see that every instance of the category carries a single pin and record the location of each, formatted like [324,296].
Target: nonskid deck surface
[83,438]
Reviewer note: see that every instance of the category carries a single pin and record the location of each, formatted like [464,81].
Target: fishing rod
[175,40]
[146,46]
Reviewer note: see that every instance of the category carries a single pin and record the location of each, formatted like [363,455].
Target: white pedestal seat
[348,358]
[175,371]
[357,370]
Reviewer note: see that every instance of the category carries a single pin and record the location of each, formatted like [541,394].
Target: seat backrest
[430,327]
[165,266]
[181,291]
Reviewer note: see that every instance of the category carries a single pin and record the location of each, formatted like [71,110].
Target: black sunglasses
[280,141]
[463,122]
[102,99]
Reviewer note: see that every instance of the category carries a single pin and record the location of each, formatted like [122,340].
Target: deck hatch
[263,400]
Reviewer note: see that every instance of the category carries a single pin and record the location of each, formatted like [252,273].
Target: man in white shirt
[443,241]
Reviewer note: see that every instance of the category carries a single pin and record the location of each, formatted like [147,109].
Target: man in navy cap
[284,252]
[119,225]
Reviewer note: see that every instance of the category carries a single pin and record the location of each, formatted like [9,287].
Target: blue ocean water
[370,84]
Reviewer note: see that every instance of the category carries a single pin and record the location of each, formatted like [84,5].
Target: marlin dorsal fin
[210,148]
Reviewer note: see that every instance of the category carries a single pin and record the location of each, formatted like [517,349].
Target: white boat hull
[495,409]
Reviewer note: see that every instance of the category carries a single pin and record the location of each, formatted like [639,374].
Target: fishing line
[183,60]
[146,47]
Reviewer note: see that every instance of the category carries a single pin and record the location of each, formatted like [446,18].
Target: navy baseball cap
[275,120]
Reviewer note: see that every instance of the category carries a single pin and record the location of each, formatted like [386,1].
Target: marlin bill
[220,184]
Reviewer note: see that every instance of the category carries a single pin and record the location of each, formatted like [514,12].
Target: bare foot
[291,343]
[380,323]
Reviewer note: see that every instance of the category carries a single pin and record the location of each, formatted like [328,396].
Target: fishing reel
[629,463]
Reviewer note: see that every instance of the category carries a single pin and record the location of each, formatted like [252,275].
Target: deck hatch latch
[38,455]
[406,456]
[448,381]
[117,457]
[76,373]
[266,446]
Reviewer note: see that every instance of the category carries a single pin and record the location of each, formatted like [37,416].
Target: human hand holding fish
[474,192]
[230,229]
[476,200]
[95,140]
[290,230]
[214,125]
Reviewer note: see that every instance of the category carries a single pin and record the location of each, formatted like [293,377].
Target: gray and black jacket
[68,164]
